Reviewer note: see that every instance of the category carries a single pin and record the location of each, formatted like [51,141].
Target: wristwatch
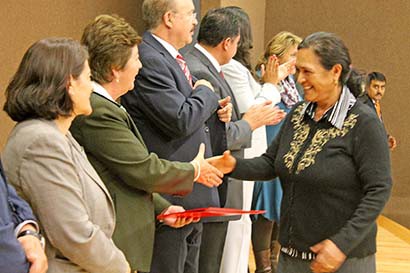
[35,234]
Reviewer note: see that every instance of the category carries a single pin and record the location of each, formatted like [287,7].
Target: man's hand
[34,253]
[392,142]
[263,114]
[328,257]
[177,222]
[208,175]
[225,163]
[204,83]
[225,113]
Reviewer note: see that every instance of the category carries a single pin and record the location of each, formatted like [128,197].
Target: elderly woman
[48,167]
[117,151]
[333,189]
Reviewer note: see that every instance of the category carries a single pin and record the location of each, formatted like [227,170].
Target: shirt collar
[97,88]
[336,115]
[171,50]
[211,58]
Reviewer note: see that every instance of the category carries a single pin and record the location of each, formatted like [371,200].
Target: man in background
[375,89]
[218,40]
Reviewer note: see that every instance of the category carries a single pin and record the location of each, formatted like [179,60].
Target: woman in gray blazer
[48,167]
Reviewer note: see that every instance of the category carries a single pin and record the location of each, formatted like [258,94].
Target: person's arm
[106,136]
[51,182]
[371,155]
[24,254]
[177,111]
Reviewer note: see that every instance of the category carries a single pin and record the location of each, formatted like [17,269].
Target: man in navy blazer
[171,110]
[218,40]
[20,247]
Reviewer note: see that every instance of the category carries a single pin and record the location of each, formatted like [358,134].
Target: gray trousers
[352,265]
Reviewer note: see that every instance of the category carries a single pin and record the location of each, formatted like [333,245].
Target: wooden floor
[393,248]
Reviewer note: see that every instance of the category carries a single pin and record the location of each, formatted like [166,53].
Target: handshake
[210,171]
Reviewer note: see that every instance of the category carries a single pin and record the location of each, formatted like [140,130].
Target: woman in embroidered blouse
[333,189]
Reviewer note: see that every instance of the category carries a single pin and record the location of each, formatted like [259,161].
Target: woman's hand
[328,257]
[270,71]
[225,163]
[177,222]
[208,175]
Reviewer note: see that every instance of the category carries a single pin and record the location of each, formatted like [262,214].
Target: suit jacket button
[207,129]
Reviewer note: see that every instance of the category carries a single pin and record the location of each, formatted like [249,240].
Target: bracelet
[195,162]
[33,233]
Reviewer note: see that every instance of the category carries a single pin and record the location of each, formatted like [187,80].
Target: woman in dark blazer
[117,151]
[48,167]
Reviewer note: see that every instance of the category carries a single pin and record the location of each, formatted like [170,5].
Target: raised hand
[270,71]
[225,113]
[225,163]
[208,175]
[328,257]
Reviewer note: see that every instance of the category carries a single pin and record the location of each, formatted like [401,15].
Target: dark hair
[217,25]
[243,54]
[331,51]
[109,39]
[39,87]
[375,76]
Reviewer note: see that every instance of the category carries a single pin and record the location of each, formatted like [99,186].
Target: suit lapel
[87,167]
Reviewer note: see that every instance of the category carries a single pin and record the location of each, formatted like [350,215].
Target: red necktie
[184,67]
[222,74]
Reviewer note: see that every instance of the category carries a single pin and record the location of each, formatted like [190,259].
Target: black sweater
[335,182]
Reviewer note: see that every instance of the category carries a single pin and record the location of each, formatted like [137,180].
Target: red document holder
[208,212]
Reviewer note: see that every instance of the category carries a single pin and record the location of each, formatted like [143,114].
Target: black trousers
[212,246]
[176,250]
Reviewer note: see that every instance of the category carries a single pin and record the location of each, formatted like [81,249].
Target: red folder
[209,212]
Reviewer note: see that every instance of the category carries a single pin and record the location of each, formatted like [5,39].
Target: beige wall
[24,21]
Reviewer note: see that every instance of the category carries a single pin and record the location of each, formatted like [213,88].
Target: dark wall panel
[376,32]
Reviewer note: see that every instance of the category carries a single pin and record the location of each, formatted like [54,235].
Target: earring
[117,80]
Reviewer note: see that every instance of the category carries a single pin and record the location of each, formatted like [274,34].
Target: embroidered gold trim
[321,137]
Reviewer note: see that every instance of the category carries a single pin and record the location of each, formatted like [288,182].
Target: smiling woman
[333,189]
[49,168]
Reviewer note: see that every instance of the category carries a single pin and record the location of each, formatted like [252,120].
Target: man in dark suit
[375,89]
[20,242]
[170,110]
[218,40]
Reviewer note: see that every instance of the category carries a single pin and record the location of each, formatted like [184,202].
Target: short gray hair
[153,10]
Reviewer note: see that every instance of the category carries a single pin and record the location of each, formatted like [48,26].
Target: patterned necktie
[184,67]
[378,109]
[222,74]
